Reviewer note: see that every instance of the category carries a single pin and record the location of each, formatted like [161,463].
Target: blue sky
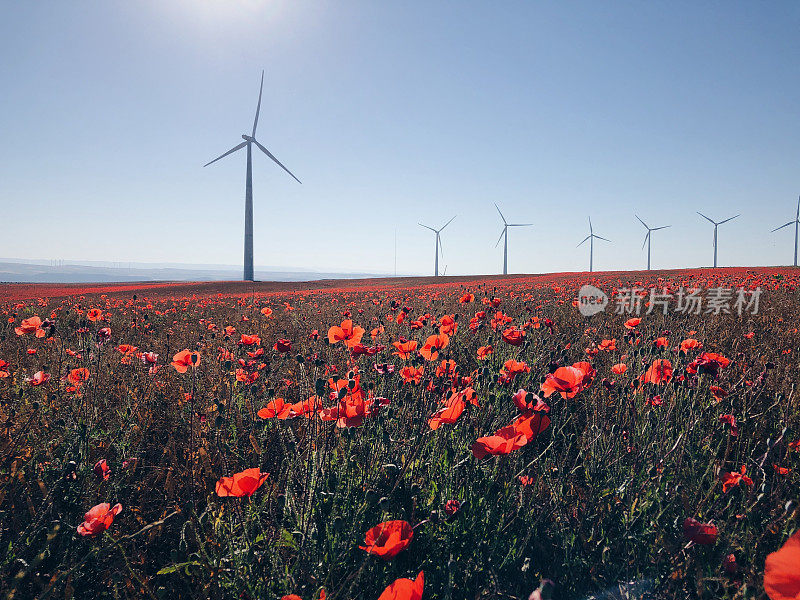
[397,112]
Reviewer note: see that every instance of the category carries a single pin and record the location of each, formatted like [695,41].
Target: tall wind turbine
[796,222]
[438,243]
[504,234]
[716,224]
[249,140]
[591,237]
[647,237]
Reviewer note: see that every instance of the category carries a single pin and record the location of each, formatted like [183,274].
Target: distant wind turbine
[249,140]
[647,237]
[716,224]
[796,222]
[438,243]
[591,237]
[504,234]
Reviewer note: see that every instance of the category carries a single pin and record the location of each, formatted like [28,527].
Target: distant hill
[27,271]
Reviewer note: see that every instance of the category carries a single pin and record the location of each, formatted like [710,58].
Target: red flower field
[402,438]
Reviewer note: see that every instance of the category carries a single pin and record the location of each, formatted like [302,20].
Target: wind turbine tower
[248,142]
[716,224]
[647,237]
[438,244]
[504,237]
[592,235]
[796,222]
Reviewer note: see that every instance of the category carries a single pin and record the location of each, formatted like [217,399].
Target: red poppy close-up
[99,518]
[388,539]
[243,484]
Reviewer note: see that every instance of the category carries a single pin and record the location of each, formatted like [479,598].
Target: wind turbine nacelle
[247,138]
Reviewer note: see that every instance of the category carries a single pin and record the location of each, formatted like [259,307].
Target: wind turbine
[249,140]
[796,222]
[591,237]
[504,234]
[647,237]
[438,243]
[716,224]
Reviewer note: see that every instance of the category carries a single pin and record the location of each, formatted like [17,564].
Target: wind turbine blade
[662,227]
[726,220]
[231,151]
[647,235]
[705,217]
[590,225]
[448,223]
[268,153]
[501,214]
[642,222]
[426,227]
[797,214]
[501,236]
[520,224]
[782,226]
[601,238]
[584,240]
[441,250]
[258,108]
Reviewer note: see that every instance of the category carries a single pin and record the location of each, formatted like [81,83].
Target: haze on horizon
[397,114]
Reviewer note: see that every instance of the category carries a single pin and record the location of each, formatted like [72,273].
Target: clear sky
[397,112]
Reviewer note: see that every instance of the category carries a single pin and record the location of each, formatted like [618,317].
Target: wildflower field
[401,439]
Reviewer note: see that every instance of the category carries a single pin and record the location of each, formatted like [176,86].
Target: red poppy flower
[619,368]
[659,372]
[405,589]
[733,479]
[430,351]
[266,311]
[94,314]
[31,325]
[185,359]
[277,409]
[690,344]
[699,533]
[346,333]
[388,539]
[39,378]
[99,518]
[448,325]
[782,571]
[504,441]
[632,323]
[708,362]
[484,352]
[527,402]
[467,298]
[514,336]
[568,381]
[512,368]
[730,420]
[102,470]
[249,340]
[78,376]
[608,345]
[241,484]
[412,374]
[3,369]
[283,345]
[404,349]
[453,408]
